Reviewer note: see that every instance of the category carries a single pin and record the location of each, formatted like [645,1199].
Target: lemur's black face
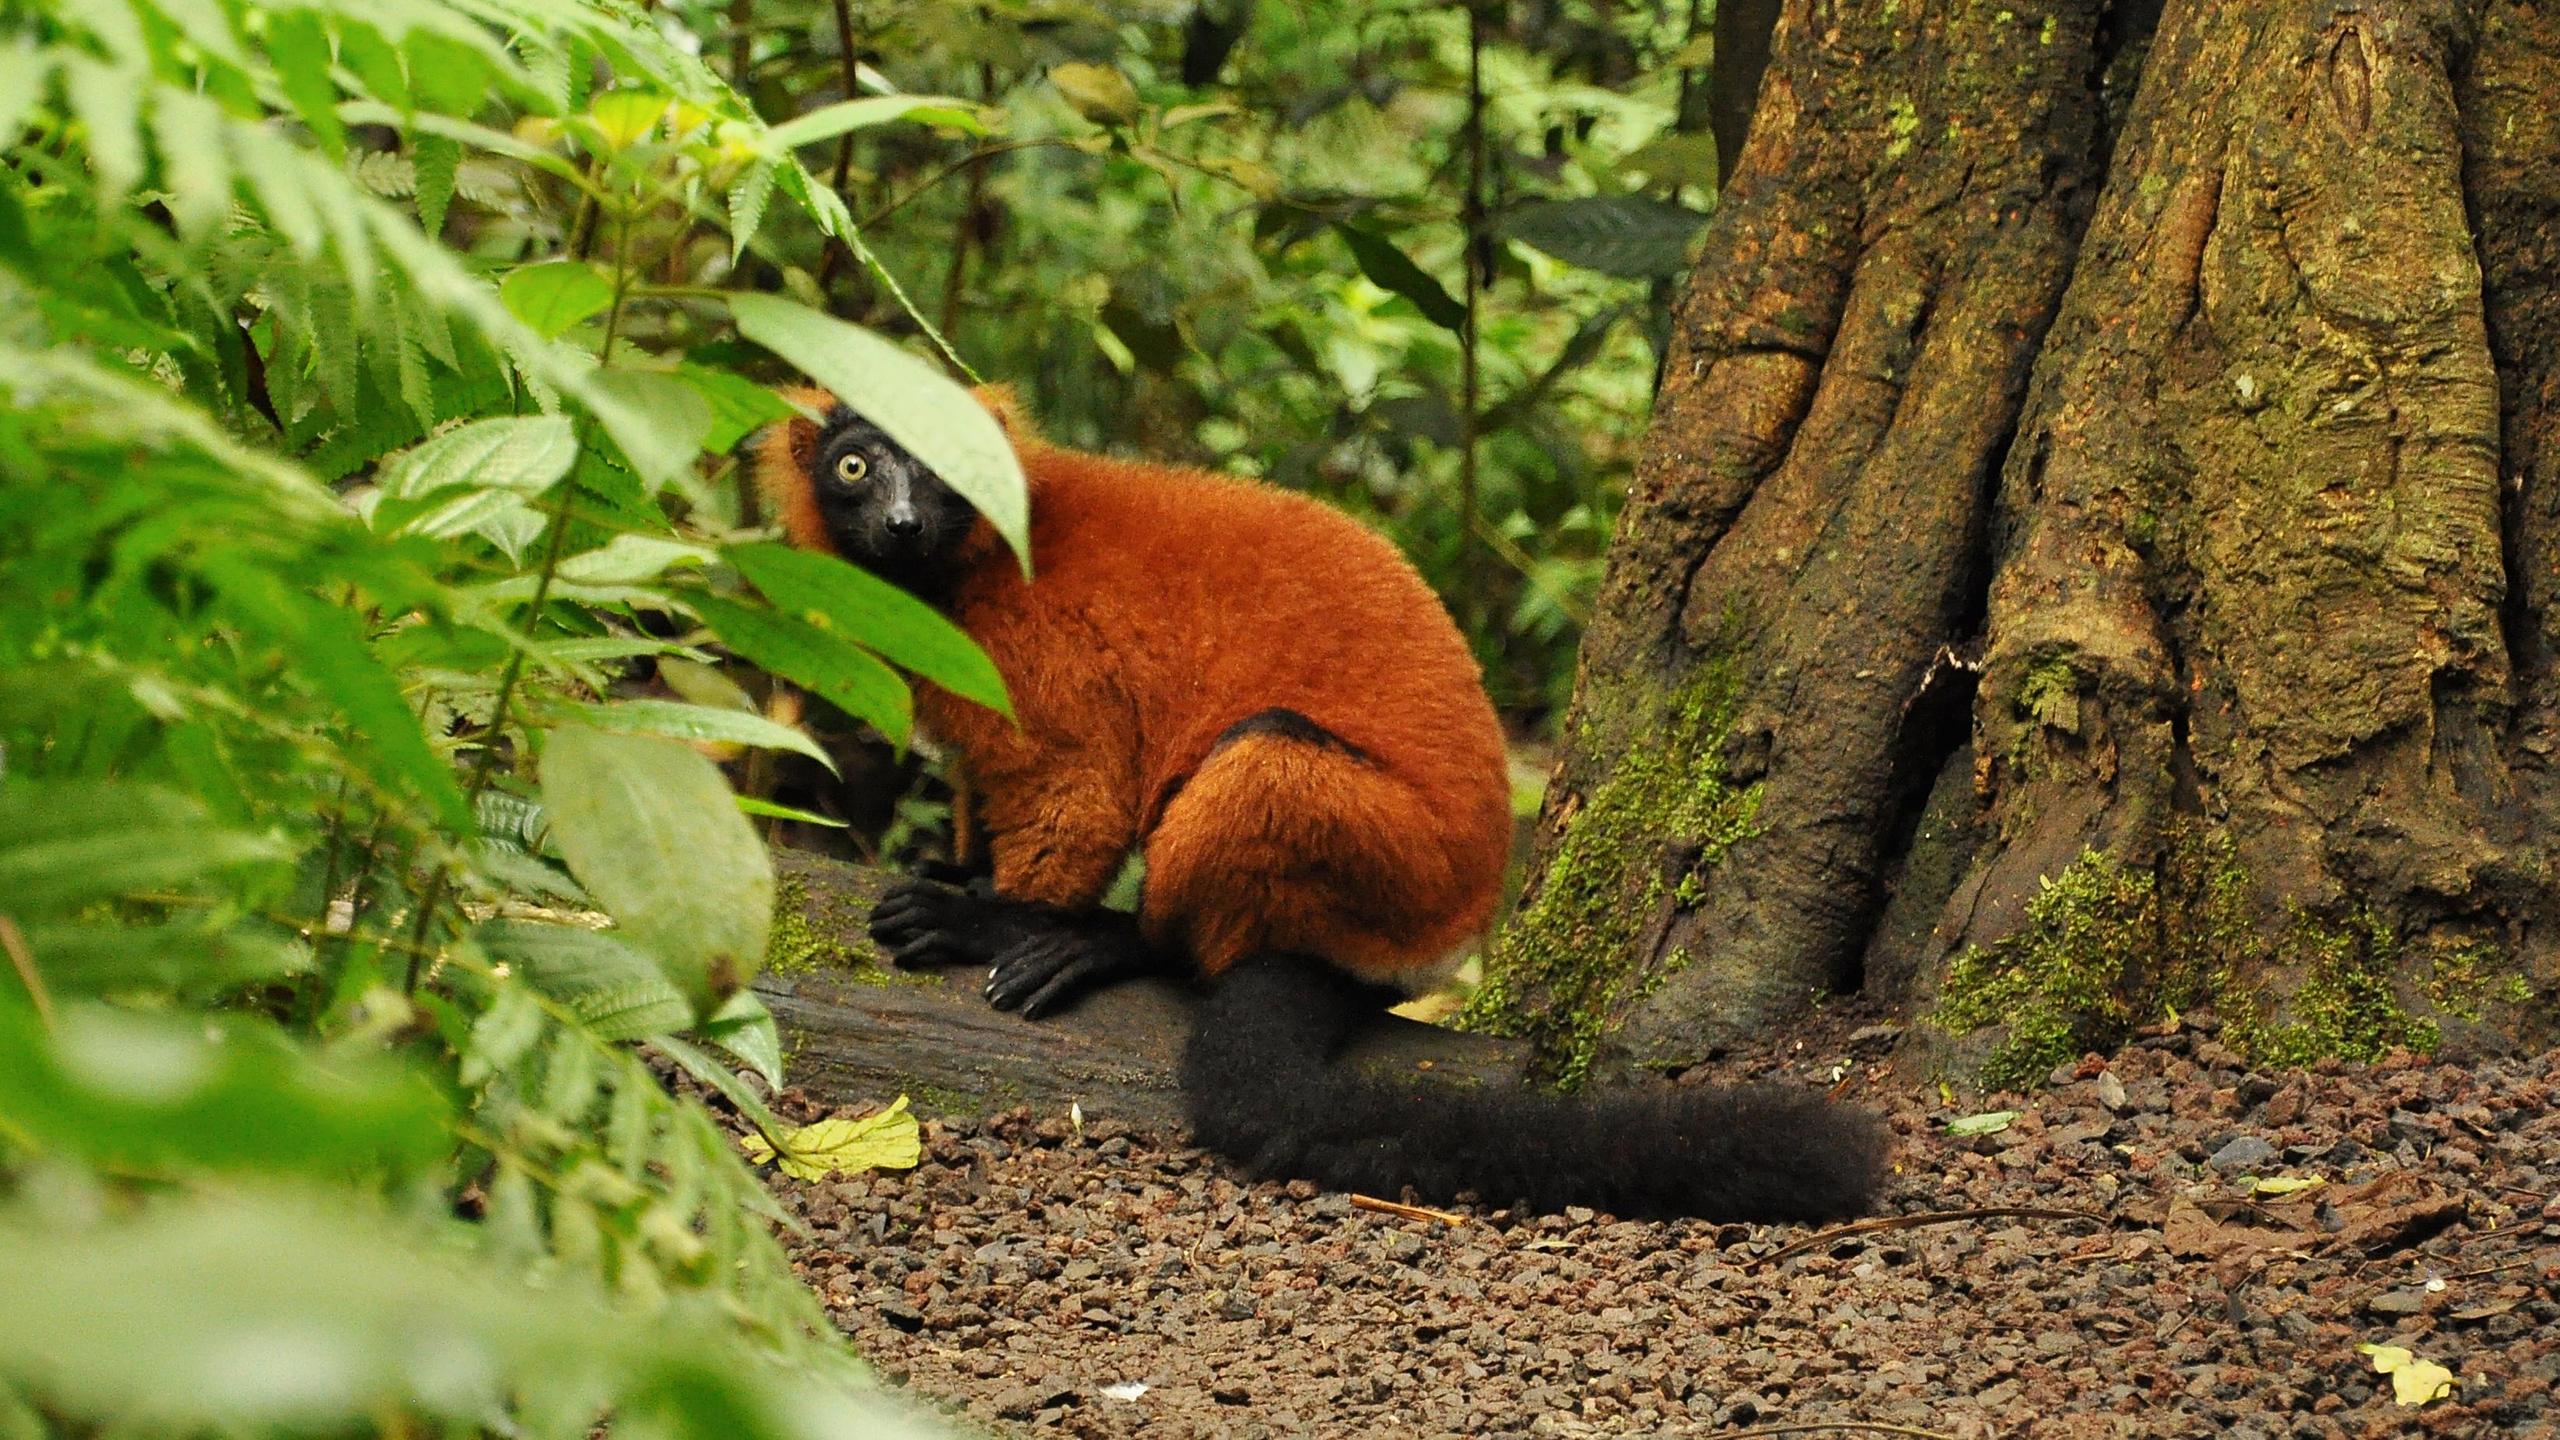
[884,509]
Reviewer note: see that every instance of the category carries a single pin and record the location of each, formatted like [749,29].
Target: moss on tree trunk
[2110,476]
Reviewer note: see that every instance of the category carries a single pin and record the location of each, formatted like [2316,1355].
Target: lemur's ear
[784,453]
[1007,407]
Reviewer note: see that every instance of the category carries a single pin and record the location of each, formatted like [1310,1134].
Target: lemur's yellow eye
[851,468]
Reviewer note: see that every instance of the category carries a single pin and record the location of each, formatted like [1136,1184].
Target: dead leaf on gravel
[2391,1212]
[2212,1229]
[1990,1122]
[882,1140]
[2413,1381]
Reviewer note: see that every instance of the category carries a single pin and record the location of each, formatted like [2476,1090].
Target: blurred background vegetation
[378,589]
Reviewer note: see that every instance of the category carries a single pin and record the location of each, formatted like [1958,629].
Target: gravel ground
[1036,1278]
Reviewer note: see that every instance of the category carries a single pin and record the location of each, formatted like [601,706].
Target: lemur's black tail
[1262,1086]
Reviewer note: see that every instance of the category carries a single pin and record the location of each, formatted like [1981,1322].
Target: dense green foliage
[370,377]
[1235,233]
[355,447]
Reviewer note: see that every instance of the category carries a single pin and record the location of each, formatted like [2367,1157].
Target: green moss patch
[1565,963]
[2108,948]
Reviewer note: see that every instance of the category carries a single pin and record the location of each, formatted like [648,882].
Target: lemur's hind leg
[1038,956]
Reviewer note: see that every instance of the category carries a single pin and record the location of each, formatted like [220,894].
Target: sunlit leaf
[828,121]
[844,601]
[884,1140]
[553,297]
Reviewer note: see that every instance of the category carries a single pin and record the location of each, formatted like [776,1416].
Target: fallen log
[859,1031]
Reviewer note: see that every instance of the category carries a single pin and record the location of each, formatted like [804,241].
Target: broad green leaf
[932,418]
[829,121]
[1390,269]
[555,296]
[745,1028]
[523,456]
[864,609]
[820,661]
[665,425]
[102,958]
[616,992]
[107,99]
[738,406]
[634,560]
[652,831]
[1626,235]
[1099,93]
[624,118]
[699,724]
[170,1094]
[67,844]
[194,169]
[884,1140]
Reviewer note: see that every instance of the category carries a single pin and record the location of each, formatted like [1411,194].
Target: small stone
[2110,1090]
[2407,1301]
[2246,1152]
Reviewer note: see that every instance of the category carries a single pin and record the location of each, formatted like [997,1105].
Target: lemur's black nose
[905,524]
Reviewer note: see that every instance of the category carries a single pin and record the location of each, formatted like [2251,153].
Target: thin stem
[1471,219]
[16,944]
[983,152]
[844,143]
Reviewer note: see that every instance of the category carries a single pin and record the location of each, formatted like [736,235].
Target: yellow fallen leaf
[2413,1381]
[882,1140]
[2281,1184]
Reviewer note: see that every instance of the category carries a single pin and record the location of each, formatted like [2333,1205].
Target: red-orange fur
[1170,604]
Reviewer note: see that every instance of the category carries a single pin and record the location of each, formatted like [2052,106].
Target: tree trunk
[2094,552]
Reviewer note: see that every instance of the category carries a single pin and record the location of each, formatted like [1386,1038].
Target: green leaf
[616,992]
[845,601]
[823,662]
[745,1028]
[1626,235]
[1392,270]
[1099,93]
[634,560]
[933,419]
[665,425]
[523,456]
[24,67]
[194,169]
[828,121]
[437,162]
[650,828]
[102,958]
[298,44]
[698,724]
[555,296]
[738,406]
[747,201]
[884,1140]
[1990,1122]
[67,844]
[169,1094]
[107,99]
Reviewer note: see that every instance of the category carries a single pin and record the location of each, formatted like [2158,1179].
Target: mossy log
[858,1031]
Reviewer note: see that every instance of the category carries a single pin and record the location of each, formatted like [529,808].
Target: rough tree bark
[2094,553]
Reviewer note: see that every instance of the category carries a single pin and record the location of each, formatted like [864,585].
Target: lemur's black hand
[1037,956]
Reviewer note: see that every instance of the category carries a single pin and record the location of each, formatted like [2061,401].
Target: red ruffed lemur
[1265,701]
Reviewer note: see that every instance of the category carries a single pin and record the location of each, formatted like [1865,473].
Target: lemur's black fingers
[928,950]
[1030,969]
[910,909]
[1072,979]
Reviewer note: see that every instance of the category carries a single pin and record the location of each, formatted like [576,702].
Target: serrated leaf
[694,724]
[634,560]
[884,1140]
[828,121]
[194,168]
[555,296]
[1988,1123]
[747,201]
[1099,93]
[862,608]
[1392,270]
[824,663]
[107,100]
[1625,235]
[298,45]
[522,456]
[616,992]
[436,161]
[745,1028]
[933,419]
[652,831]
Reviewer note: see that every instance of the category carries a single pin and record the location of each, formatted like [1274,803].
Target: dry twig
[1409,1212]
[1933,1217]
